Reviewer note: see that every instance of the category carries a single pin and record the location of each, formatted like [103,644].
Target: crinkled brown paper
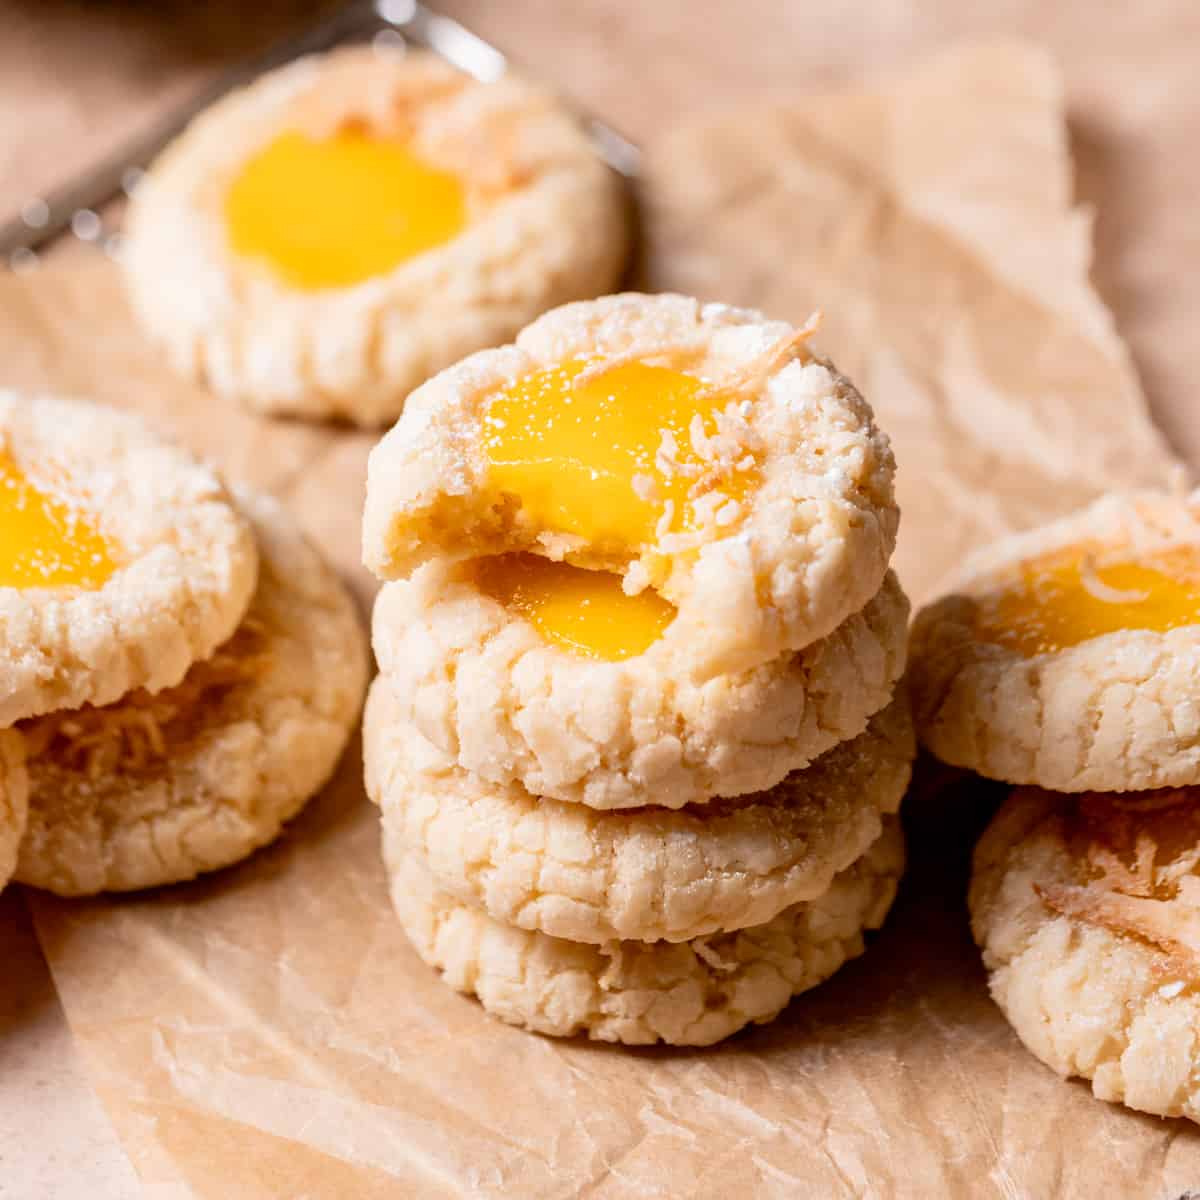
[268,1032]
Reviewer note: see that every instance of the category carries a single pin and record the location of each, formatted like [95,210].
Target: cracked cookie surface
[158,788]
[1087,909]
[14,801]
[543,222]
[1004,684]
[766,519]
[684,994]
[484,686]
[647,873]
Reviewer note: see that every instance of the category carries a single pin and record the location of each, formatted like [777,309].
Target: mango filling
[46,542]
[583,611]
[620,455]
[334,212]
[1067,598]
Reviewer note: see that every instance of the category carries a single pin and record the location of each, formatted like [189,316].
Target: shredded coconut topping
[645,487]
[752,377]
[602,366]
[637,579]
[663,528]
[705,508]
[704,950]
[731,448]
[1096,587]
[701,443]
[667,461]
[651,354]
[393,106]
[484,152]
[1139,857]
[728,513]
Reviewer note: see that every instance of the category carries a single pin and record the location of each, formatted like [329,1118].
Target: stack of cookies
[179,669]
[1067,661]
[636,740]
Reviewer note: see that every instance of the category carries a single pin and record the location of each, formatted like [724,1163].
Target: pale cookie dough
[157,789]
[646,874]
[486,688]
[546,224]
[809,544]
[685,994]
[14,801]
[1088,912]
[1118,712]
[186,561]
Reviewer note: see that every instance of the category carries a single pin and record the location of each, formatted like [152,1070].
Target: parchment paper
[267,1031]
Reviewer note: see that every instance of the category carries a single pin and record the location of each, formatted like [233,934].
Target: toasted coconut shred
[704,951]
[732,449]
[645,488]
[392,105]
[734,445]
[636,580]
[1145,533]
[753,376]
[488,158]
[662,531]
[139,732]
[1142,877]
[1097,588]
[484,154]
[666,459]
[673,355]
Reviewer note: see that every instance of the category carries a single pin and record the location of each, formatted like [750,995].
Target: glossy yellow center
[584,611]
[612,458]
[46,542]
[331,213]
[1064,599]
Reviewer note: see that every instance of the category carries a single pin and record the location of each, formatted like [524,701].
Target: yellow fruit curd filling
[1068,598]
[583,611]
[333,212]
[44,541]
[619,455]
